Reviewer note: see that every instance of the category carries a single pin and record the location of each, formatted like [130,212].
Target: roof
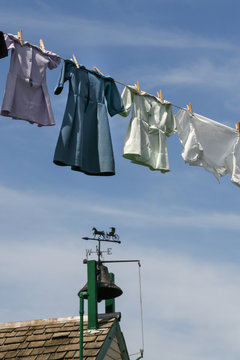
[58,338]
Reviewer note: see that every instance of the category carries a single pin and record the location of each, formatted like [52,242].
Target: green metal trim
[114,331]
[122,343]
[110,303]
[81,313]
[92,295]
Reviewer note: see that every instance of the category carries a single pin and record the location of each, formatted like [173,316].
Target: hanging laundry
[151,121]
[3,46]
[84,141]
[210,144]
[26,95]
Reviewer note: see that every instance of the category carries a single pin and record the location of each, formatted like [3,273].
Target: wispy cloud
[110,33]
[204,72]
[26,213]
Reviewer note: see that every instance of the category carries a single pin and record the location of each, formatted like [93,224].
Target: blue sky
[183,225]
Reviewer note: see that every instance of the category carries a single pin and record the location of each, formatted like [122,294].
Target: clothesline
[116,81]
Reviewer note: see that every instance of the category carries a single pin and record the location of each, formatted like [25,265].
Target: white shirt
[210,144]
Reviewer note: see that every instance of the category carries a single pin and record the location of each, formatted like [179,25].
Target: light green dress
[151,121]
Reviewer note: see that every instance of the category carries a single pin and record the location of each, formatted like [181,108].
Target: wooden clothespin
[189,107]
[42,45]
[159,94]
[96,69]
[75,60]
[20,37]
[138,87]
[238,128]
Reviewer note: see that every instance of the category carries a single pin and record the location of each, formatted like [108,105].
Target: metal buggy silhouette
[112,235]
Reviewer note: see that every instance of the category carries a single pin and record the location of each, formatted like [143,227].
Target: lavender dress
[26,95]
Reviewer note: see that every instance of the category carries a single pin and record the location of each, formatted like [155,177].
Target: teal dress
[84,142]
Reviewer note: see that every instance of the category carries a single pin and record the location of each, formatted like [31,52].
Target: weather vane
[99,236]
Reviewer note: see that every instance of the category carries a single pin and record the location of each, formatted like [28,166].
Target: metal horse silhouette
[99,233]
[109,235]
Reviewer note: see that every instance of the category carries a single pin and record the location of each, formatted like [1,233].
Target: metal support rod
[81,313]
[119,261]
[102,239]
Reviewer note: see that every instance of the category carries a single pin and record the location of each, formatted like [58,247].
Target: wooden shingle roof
[57,338]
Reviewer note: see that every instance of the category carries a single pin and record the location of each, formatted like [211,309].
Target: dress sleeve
[64,76]
[114,102]
[192,148]
[127,101]
[3,46]
[10,41]
[53,60]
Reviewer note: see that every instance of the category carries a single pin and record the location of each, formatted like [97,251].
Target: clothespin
[20,37]
[42,45]
[75,60]
[138,87]
[238,128]
[189,107]
[159,94]
[96,69]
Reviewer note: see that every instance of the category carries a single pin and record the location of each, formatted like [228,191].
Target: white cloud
[202,73]
[26,214]
[106,33]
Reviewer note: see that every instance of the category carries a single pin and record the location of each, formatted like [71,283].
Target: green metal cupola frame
[97,290]
[92,296]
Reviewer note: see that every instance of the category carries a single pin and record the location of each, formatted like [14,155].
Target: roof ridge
[58,320]
[40,321]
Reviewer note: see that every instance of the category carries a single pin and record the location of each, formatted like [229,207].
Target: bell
[106,289]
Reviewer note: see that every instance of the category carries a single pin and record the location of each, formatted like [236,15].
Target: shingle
[74,340]
[50,349]
[37,351]
[38,337]
[91,352]
[36,344]
[57,356]
[70,354]
[60,341]
[94,345]
[16,339]
[38,331]
[9,347]
[24,352]
[43,357]
[89,337]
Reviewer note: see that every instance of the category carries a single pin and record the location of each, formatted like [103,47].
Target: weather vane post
[99,236]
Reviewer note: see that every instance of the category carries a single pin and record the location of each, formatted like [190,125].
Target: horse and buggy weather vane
[100,236]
